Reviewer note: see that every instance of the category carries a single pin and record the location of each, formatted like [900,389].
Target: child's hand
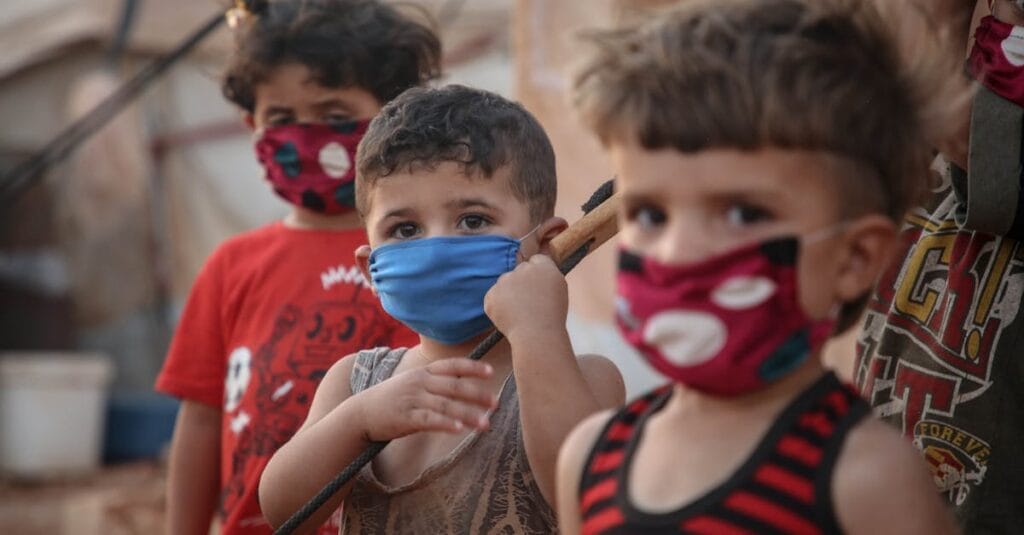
[530,299]
[446,395]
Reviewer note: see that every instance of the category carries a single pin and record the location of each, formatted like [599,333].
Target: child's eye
[648,216]
[280,119]
[404,231]
[337,118]
[741,215]
[473,223]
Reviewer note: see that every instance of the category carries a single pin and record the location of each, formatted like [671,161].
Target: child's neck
[768,399]
[305,219]
[432,350]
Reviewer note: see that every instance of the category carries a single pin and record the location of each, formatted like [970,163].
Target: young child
[765,151]
[457,190]
[940,352]
[274,308]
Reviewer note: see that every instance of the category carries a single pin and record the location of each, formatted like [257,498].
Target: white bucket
[51,413]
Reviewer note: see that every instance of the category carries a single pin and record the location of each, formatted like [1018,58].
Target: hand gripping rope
[567,249]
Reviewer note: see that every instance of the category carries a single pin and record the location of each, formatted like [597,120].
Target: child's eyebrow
[331,102]
[398,212]
[462,204]
[277,109]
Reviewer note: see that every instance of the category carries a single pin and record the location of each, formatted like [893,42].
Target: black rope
[603,193]
[331,488]
[23,175]
[124,28]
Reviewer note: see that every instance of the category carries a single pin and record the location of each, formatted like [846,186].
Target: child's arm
[881,485]
[556,390]
[193,478]
[571,458]
[445,395]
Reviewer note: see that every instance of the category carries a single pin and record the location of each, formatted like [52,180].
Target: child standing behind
[765,153]
[274,308]
[457,190]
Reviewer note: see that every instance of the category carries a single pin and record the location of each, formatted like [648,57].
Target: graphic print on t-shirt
[930,337]
[264,387]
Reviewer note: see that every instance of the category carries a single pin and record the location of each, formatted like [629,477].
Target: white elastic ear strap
[825,233]
[528,234]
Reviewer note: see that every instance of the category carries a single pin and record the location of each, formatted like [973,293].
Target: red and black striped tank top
[784,487]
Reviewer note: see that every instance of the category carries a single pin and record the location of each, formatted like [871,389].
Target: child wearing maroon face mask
[273,309]
[765,152]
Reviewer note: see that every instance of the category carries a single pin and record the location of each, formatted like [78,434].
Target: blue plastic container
[139,426]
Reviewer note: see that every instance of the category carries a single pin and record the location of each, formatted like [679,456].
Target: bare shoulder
[881,484]
[604,379]
[338,376]
[332,390]
[581,439]
[571,457]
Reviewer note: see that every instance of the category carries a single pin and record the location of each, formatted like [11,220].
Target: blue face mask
[436,286]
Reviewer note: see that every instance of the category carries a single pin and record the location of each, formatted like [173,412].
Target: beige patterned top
[484,486]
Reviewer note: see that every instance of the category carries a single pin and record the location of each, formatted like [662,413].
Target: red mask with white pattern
[312,165]
[725,326]
[997,58]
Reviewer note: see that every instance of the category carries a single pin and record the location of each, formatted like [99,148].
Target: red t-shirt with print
[269,313]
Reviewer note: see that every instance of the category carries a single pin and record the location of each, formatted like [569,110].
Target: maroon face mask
[725,326]
[997,58]
[312,165]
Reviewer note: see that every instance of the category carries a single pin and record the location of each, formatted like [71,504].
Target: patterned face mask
[312,165]
[997,58]
[727,325]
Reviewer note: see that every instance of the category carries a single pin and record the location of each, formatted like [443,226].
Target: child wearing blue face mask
[765,152]
[456,187]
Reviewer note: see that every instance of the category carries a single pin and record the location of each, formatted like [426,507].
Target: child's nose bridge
[689,240]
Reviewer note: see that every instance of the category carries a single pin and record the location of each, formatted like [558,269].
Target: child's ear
[362,256]
[547,232]
[871,246]
[249,121]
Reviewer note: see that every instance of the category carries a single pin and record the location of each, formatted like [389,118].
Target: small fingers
[447,414]
[460,367]
[427,420]
[543,260]
[466,389]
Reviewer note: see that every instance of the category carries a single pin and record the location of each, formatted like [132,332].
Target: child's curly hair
[830,76]
[836,77]
[360,43]
[479,130]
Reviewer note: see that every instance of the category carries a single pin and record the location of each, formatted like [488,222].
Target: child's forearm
[309,461]
[193,479]
[554,396]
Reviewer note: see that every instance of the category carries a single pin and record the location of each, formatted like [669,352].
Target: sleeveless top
[783,487]
[484,485]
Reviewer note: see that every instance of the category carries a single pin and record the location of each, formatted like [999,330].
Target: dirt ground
[117,500]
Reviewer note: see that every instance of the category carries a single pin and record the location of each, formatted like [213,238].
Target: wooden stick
[594,229]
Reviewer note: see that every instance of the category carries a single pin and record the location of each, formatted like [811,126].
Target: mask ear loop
[820,235]
[519,251]
[824,233]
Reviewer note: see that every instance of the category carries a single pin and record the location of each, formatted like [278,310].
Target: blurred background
[97,257]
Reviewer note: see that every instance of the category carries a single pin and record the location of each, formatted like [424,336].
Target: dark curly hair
[360,43]
[816,75]
[477,129]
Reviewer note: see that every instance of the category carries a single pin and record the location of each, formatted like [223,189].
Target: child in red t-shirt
[274,308]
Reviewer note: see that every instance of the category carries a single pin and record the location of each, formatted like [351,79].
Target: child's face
[444,202]
[683,208]
[290,94]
